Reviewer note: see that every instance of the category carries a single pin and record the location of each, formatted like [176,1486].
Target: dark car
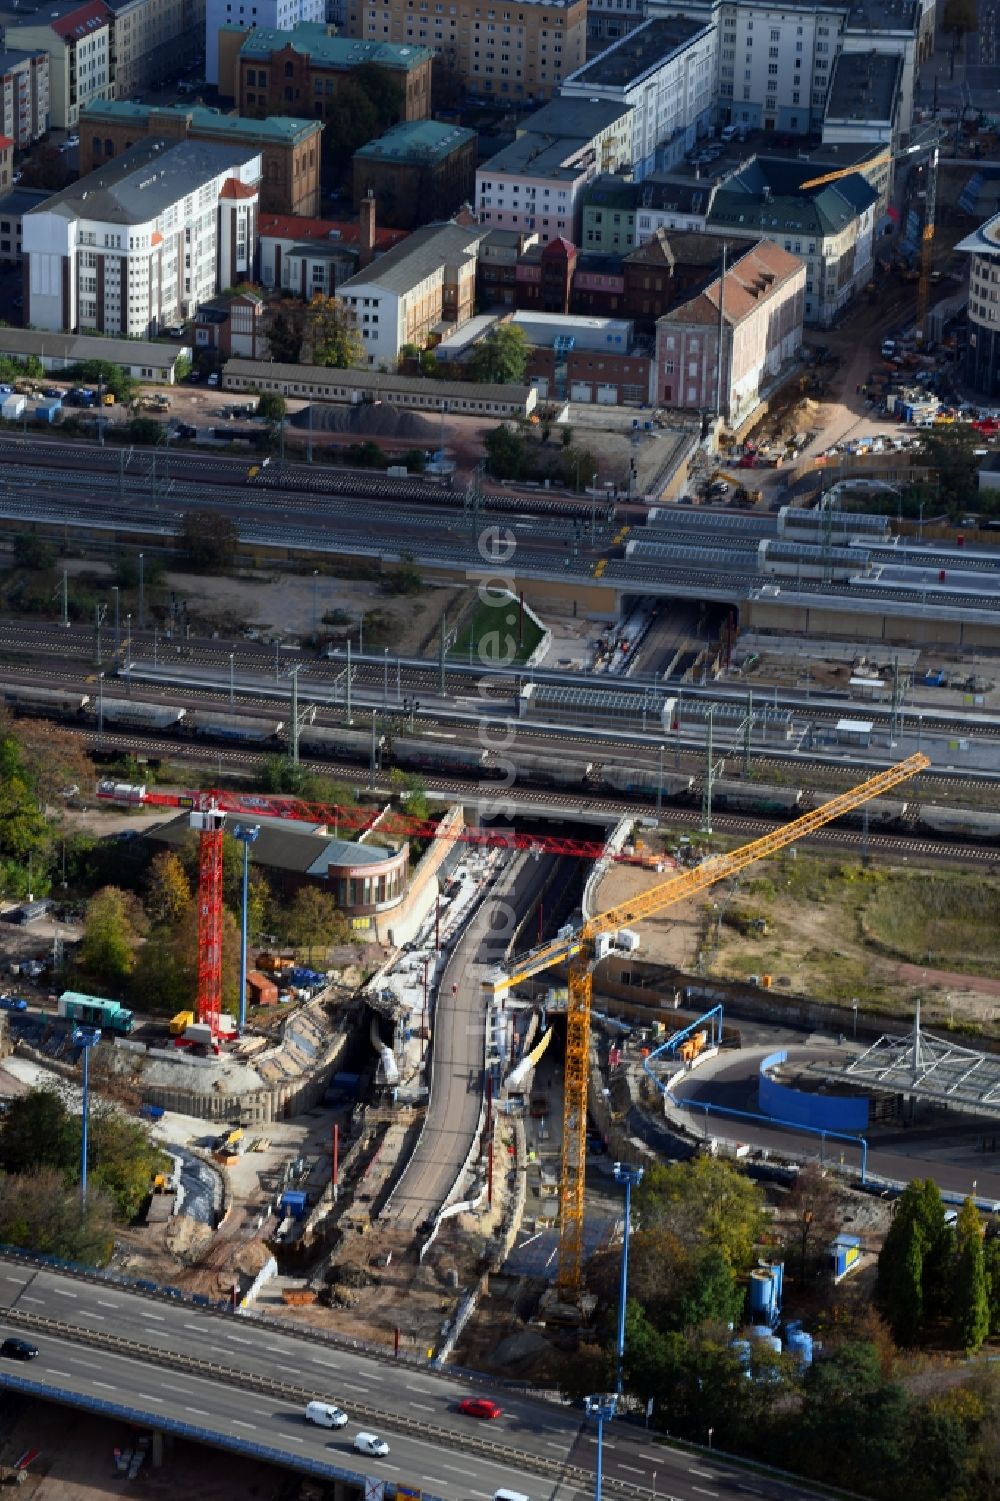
[51,391]
[18,1349]
[480,1407]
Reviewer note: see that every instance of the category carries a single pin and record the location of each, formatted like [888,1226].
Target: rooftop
[668,193]
[356,379]
[421,253]
[766,195]
[983,241]
[78,21]
[573,118]
[865,87]
[145,180]
[861,15]
[342,231]
[417,141]
[81,347]
[204,121]
[22,200]
[754,278]
[642,51]
[283,846]
[316,42]
[10,58]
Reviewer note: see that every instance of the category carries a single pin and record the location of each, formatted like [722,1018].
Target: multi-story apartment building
[864,98]
[289,149]
[616,215]
[419,171]
[403,295]
[775,61]
[517,51]
[664,71]
[152,40]
[607,20]
[762,304]
[77,38]
[536,183]
[982,350]
[299,72]
[137,245]
[273,15]
[24,96]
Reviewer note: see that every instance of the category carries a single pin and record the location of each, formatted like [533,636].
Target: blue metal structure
[603,1409]
[246,834]
[85,1038]
[631,1177]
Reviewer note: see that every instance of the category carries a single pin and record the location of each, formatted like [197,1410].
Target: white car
[325,1415]
[370,1443]
[213,379]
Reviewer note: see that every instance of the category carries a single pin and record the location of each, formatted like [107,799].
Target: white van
[325,1415]
[370,1443]
[504,1495]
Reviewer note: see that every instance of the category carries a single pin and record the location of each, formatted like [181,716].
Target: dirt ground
[813,948]
[75,1461]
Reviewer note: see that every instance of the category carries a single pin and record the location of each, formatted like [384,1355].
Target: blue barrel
[800,1347]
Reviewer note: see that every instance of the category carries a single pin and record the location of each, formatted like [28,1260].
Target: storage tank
[757,1331]
[773,1342]
[743,1350]
[800,1347]
[765,1293]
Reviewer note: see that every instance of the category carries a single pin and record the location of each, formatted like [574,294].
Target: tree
[53,758]
[506,452]
[145,430]
[705,1202]
[46,168]
[41,1212]
[502,357]
[37,1132]
[330,333]
[312,919]
[112,378]
[168,891]
[814,1203]
[712,1295]
[33,552]
[991,1258]
[951,452]
[853,1423]
[209,539]
[107,950]
[271,405]
[971,1310]
[285,327]
[915,1263]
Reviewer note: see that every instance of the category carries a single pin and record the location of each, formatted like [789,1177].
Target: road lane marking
[64,1292]
[148,1397]
[261,1412]
[633,1469]
[456,1471]
[238,1339]
[293,1438]
[157,1316]
[653,1457]
[422,1406]
[105,1385]
[169,1386]
[63,1375]
[88,1313]
[702,1474]
[22,1281]
[106,1303]
[701,1491]
[240,1423]
[199,1410]
[28,1299]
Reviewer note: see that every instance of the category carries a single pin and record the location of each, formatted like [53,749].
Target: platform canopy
[929,1068]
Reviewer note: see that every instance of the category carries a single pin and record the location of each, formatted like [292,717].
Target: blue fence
[821,1112]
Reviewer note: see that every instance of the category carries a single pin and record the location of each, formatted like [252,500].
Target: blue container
[293,1203]
[800,1347]
[757,1331]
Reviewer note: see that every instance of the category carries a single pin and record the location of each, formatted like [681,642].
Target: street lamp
[246,834]
[118,628]
[854,1008]
[85,1038]
[100,705]
[385,679]
[142,593]
[232,685]
[631,1177]
[603,1410]
[315,604]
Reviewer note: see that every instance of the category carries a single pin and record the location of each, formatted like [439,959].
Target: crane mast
[593,940]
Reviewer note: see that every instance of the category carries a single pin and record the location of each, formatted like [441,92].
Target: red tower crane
[208,812]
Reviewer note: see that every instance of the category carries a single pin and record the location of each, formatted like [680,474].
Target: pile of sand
[367,420]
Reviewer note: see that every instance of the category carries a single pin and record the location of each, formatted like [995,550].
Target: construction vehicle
[180,1022]
[583,948]
[721,483]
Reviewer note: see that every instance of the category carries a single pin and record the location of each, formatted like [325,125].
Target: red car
[480,1407]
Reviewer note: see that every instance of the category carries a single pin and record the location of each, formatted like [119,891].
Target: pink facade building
[763,305]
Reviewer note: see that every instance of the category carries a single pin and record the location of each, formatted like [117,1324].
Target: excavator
[742,496]
[582,949]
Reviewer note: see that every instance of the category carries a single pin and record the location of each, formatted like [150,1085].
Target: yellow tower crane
[586,946]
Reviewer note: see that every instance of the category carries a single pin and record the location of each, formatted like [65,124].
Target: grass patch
[495,634]
[945,922]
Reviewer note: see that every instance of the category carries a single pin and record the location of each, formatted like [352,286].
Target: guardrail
[192,1365]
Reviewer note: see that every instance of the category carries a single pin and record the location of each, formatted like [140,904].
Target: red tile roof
[233,188]
[5,142]
[82,21]
[755,278]
[346,231]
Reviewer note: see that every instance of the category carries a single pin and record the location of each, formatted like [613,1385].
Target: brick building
[289,149]
[305,256]
[419,171]
[299,72]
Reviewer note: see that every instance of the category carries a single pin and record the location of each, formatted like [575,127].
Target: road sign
[374,1489]
[407,1493]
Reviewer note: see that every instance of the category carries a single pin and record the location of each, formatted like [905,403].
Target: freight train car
[959,823]
[755,797]
[640,781]
[58,702]
[233,729]
[129,711]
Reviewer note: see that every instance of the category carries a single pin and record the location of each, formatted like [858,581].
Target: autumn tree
[209,539]
[166,971]
[312,919]
[111,933]
[705,1202]
[971,1309]
[285,328]
[40,1211]
[168,891]
[53,757]
[814,1205]
[330,334]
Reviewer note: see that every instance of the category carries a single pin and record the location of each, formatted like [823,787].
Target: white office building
[138,244]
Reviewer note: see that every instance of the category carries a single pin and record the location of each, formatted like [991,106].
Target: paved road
[458,1049]
[528,1426]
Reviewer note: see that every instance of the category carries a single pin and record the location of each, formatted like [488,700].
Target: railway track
[250,762]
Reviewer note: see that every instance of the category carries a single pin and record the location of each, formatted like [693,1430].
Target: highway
[458,1047]
[543,1449]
